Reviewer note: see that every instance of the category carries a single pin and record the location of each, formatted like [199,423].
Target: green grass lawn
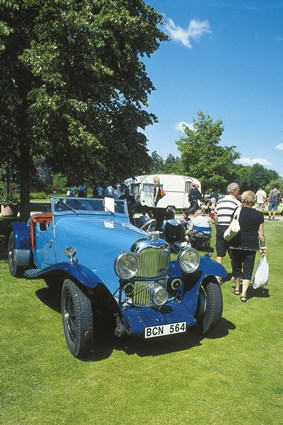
[233,376]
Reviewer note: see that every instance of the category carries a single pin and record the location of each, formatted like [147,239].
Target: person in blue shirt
[72,191]
[82,191]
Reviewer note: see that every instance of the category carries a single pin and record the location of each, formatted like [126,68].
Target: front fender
[207,267]
[210,267]
[76,271]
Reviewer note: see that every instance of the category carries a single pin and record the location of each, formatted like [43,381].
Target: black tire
[14,268]
[77,316]
[210,307]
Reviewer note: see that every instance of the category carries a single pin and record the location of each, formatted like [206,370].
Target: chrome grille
[153,262]
[141,295]
[153,258]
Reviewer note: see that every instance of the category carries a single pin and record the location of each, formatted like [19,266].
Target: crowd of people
[219,210]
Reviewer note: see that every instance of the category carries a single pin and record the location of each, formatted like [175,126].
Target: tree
[156,163]
[173,165]
[73,86]
[243,176]
[254,177]
[202,156]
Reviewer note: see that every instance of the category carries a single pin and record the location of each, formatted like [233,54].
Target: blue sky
[225,58]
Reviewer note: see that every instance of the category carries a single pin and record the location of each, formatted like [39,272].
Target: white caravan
[176,189]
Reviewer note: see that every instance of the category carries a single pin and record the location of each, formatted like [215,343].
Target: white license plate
[162,330]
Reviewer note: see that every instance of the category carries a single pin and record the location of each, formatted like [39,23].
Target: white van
[176,189]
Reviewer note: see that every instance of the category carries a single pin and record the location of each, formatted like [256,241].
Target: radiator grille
[142,292]
[153,262]
[153,265]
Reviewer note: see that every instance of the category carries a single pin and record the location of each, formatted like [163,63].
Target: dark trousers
[242,263]
[193,207]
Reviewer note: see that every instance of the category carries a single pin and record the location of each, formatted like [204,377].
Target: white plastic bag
[261,273]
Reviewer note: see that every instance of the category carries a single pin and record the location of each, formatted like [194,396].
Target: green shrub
[59,184]
[38,195]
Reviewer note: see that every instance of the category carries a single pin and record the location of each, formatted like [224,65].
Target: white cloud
[251,162]
[280,147]
[195,30]
[180,126]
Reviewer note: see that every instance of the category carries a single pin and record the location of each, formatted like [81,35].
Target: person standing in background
[274,201]
[156,190]
[82,191]
[224,211]
[246,243]
[260,199]
[194,196]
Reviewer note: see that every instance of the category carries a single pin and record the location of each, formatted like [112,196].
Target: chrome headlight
[126,265]
[189,260]
[158,294]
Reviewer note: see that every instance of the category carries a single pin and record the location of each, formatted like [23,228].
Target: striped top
[225,208]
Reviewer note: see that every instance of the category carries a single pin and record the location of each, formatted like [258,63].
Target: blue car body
[91,247]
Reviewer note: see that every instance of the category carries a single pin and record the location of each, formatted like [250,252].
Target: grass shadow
[51,298]
[222,329]
[106,342]
[3,248]
[262,292]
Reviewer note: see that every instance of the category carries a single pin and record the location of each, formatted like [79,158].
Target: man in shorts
[260,199]
[274,201]
[224,211]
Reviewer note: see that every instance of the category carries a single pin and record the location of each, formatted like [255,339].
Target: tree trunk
[24,193]
[25,170]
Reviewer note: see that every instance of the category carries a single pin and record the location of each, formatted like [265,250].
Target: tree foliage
[256,176]
[169,165]
[203,157]
[73,85]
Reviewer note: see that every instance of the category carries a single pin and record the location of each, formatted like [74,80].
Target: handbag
[234,226]
[261,273]
[162,193]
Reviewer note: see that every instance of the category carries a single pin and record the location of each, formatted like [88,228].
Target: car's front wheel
[77,315]
[14,268]
[210,307]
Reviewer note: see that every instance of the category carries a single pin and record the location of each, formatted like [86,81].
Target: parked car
[89,248]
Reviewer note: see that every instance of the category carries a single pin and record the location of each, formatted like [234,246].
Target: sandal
[235,291]
[243,299]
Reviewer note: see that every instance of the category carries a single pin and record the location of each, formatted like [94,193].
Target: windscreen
[105,206]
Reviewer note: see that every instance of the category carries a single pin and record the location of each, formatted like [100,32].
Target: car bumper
[137,319]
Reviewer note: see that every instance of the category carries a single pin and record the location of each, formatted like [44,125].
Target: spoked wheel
[77,318]
[14,268]
[210,307]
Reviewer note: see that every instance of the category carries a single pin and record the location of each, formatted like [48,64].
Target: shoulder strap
[237,212]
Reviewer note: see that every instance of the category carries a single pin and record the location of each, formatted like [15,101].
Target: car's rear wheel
[77,315]
[210,307]
[14,268]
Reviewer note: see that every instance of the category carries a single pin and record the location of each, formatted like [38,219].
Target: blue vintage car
[89,248]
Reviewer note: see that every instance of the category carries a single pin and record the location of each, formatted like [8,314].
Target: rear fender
[22,247]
